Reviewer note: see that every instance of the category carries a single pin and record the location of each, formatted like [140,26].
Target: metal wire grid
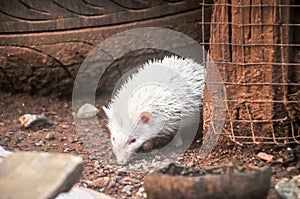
[280,123]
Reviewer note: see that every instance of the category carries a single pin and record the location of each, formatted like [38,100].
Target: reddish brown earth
[61,136]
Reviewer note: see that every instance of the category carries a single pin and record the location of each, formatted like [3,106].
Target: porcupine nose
[121,162]
[121,155]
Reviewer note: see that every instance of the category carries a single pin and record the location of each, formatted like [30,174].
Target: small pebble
[118,178]
[102,190]
[190,164]
[126,188]
[129,193]
[111,184]
[91,171]
[180,158]
[121,171]
[87,183]
[141,189]
[290,169]
[95,150]
[52,113]
[128,180]
[92,157]
[74,140]
[108,167]
[9,134]
[96,164]
[19,140]
[40,143]
[139,176]
[50,136]
[101,182]
[157,157]
[265,156]
[139,194]
[65,126]
[66,105]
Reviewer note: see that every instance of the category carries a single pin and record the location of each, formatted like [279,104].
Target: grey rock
[128,180]
[92,157]
[87,183]
[29,120]
[87,111]
[126,188]
[288,188]
[38,175]
[50,136]
[142,189]
[129,193]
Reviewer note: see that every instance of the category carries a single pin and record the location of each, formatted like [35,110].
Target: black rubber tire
[42,43]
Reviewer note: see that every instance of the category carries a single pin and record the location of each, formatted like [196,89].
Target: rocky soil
[60,135]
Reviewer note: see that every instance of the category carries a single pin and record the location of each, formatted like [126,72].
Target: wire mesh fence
[256,47]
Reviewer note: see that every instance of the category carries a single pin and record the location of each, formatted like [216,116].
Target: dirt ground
[61,136]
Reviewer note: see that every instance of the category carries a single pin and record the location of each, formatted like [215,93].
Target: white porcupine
[154,102]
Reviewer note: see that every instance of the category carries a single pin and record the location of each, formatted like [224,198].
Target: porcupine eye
[131,141]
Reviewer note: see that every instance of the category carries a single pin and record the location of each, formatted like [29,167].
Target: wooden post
[246,45]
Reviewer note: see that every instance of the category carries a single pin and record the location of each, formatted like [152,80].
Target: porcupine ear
[145,118]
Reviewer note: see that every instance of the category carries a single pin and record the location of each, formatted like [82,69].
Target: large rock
[38,175]
[288,188]
[82,193]
[3,154]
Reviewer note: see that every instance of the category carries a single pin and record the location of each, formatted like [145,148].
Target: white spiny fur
[170,89]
